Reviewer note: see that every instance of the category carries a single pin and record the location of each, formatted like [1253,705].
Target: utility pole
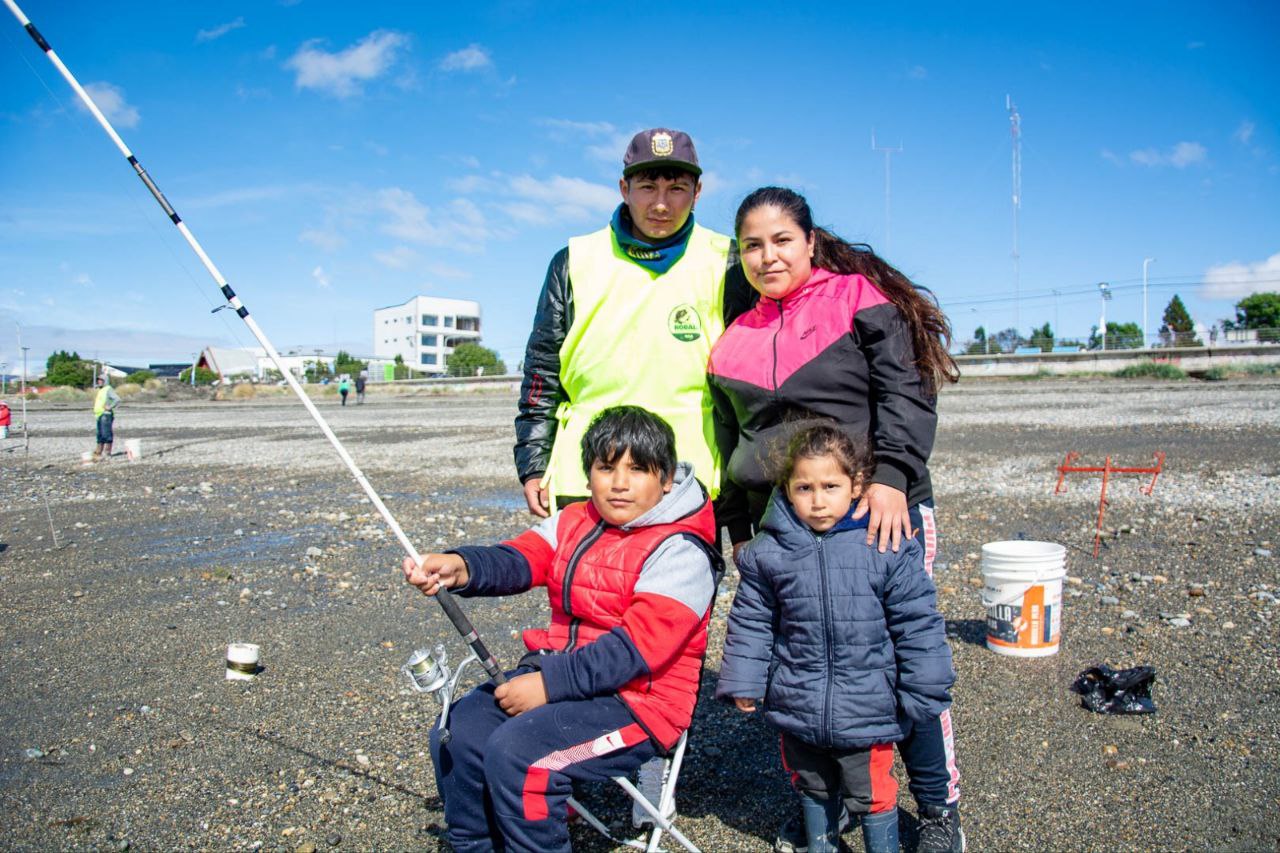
[1015,127]
[1146,335]
[1057,330]
[1105,290]
[26,439]
[888,152]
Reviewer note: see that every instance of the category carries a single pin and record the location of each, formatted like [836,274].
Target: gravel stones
[226,766]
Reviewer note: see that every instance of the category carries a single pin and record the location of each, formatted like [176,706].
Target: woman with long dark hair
[839,336]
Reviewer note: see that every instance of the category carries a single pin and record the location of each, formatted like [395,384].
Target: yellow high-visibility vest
[100,402]
[642,339]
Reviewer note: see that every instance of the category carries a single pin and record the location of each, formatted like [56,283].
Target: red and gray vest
[590,586]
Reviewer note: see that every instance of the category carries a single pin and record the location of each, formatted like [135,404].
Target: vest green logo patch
[684,323]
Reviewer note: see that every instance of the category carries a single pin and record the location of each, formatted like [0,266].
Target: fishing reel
[428,672]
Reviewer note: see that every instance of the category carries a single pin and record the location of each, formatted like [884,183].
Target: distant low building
[424,330]
[229,363]
[168,370]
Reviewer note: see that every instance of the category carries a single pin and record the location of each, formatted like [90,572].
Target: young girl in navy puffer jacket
[844,644]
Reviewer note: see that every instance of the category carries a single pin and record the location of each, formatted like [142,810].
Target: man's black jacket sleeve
[541,391]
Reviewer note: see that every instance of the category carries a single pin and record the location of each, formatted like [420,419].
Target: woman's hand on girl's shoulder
[890,520]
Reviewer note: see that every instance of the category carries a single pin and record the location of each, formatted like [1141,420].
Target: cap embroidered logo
[662,144]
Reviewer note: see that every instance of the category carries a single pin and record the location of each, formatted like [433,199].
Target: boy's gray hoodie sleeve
[925,673]
[748,646]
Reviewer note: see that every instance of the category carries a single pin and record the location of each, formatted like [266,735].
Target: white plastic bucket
[133,449]
[1022,592]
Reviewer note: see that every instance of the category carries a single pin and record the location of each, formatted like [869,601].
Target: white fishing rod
[451,608]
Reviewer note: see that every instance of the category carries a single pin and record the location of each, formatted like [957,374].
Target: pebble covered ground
[122,583]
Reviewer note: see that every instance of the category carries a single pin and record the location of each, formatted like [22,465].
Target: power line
[993,298]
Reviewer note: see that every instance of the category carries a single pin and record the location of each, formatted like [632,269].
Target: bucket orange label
[1028,624]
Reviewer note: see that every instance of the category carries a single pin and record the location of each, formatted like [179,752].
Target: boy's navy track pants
[504,780]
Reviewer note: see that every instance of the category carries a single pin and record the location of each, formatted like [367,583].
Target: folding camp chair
[661,824]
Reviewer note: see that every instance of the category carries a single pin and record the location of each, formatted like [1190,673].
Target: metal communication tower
[1015,127]
[888,152]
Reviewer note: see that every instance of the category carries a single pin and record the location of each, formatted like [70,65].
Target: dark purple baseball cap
[659,147]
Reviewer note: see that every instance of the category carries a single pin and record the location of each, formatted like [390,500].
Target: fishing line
[26,449]
[444,597]
[142,216]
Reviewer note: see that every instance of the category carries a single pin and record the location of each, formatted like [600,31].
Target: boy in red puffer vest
[631,575]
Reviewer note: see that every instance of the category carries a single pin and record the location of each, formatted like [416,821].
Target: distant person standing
[104,409]
[344,388]
[361,379]
[5,419]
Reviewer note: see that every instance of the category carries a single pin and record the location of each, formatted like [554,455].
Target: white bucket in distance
[1022,592]
[133,449]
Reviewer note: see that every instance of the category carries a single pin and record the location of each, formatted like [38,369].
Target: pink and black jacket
[629,605]
[834,349]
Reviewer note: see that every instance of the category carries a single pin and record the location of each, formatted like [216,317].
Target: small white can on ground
[133,449]
[242,661]
[1022,592]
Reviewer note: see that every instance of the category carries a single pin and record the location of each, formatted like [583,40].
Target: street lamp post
[1146,335]
[1105,290]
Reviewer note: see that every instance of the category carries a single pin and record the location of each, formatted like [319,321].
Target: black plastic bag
[1103,690]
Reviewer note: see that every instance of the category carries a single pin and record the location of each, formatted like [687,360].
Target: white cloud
[243,195]
[1186,153]
[84,280]
[473,57]
[607,142]
[918,72]
[322,278]
[1244,132]
[1195,45]
[558,197]
[111,101]
[341,74]
[1235,280]
[324,238]
[610,150]
[460,225]
[398,258]
[540,201]
[1180,156]
[1110,156]
[219,31]
[471,184]
[713,182]
[585,128]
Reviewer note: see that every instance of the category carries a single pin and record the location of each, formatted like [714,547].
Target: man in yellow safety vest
[628,315]
[104,412]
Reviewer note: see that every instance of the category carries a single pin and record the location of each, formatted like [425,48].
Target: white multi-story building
[424,330]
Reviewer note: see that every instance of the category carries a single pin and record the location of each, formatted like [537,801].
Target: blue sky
[335,158]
